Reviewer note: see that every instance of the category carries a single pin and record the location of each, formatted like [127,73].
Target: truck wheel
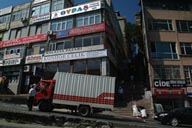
[84,110]
[45,106]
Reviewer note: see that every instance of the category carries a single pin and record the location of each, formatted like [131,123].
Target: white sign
[38,1]
[78,49]
[9,56]
[12,62]
[76,9]
[5,10]
[33,59]
[74,56]
[1,63]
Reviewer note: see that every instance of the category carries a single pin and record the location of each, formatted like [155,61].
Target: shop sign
[78,49]
[76,9]
[75,56]
[5,10]
[33,59]
[189,91]
[38,1]
[12,62]
[169,83]
[81,30]
[9,56]
[24,40]
[40,18]
[169,91]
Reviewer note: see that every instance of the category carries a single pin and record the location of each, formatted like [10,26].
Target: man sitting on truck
[32,93]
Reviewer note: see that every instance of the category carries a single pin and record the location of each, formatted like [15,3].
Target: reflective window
[88,19]
[41,9]
[38,29]
[5,19]
[186,48]
[20,14]
[64,67]
[163,50]
[58,5]
[166,72]
[93,66]
[184,26]
[160,25]
[63,24]
[88,40]
[59,45]
[188,74]
[79,66]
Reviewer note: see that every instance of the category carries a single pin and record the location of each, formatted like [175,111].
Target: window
[64,67]
[58,5]
[18,33]
[59,45]
[160,25]
[17,50]
[79,66]
[40,10]
[38,29]
[184,26]
[188,74]
[166,72]
[88,19]
[186,48]
[90,40]
[63,24]
[93,66]
[20,14]
[1,54]
[35,49]
[163,50]
[5,19]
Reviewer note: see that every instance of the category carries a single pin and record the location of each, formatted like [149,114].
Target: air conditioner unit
[23,19]
[27,68]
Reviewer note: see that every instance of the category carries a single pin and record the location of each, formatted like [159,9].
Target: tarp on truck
[76,89]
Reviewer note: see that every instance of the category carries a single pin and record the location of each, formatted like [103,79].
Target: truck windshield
[42,86]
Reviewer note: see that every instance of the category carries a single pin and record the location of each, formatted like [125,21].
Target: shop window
[93,66]
[79,66]
[64,67]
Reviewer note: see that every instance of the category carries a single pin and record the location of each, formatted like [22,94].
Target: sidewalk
[18,102]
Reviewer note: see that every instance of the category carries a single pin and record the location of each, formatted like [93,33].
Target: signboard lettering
[169,83]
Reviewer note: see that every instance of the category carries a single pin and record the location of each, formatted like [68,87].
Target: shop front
[170,93]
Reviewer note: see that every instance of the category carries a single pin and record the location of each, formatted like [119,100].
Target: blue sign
[62,33]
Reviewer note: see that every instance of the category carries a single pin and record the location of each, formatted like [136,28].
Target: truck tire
[84,110]
[45,106]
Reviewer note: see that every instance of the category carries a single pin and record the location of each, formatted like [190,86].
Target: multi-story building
[46,36]
[167,30]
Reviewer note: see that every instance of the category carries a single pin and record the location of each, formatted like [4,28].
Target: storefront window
[93,67]
[79,66]
[64,67]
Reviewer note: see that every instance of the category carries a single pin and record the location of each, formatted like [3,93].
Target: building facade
[45,36]
[167,30]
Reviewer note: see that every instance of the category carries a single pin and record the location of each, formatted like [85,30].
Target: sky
[127,8]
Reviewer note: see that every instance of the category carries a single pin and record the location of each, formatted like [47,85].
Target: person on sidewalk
[32,93]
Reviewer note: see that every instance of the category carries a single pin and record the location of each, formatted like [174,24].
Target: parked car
[159,112]
[177,116]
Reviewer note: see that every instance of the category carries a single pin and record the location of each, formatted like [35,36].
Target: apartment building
[167,30]
[45,36]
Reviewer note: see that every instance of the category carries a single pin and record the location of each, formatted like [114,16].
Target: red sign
[83,30]
[169,91]
[24,40]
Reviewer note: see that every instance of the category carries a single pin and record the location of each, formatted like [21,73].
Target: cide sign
[169,83]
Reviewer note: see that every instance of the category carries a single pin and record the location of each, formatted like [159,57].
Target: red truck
[85,94]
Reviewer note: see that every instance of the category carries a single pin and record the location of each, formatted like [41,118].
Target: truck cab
[44,95]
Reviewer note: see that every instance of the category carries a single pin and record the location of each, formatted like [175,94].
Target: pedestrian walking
[32,93]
